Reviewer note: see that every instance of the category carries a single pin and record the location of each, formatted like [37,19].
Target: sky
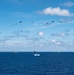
[37,25]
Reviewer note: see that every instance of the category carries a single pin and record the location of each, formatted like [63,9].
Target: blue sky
[41,25]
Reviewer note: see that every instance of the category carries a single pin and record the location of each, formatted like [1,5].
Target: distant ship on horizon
[36,53]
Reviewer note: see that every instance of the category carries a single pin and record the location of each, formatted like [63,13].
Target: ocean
[48,63]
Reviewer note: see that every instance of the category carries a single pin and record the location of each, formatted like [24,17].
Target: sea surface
[25,63]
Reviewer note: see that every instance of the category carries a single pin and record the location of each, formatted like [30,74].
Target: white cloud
[68,4]
[13,43]
[55,11]
[53,41]
[58,43]
[40,33]
[62,34]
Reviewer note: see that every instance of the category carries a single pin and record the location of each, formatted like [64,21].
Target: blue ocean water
[25,63]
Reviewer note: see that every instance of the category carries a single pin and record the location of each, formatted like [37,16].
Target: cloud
[60,34]
[71,43]
[13,43]
[55,11]
[68,4]
[40,33]
[53,41]
[57,42]
[57,45]
[4,40]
